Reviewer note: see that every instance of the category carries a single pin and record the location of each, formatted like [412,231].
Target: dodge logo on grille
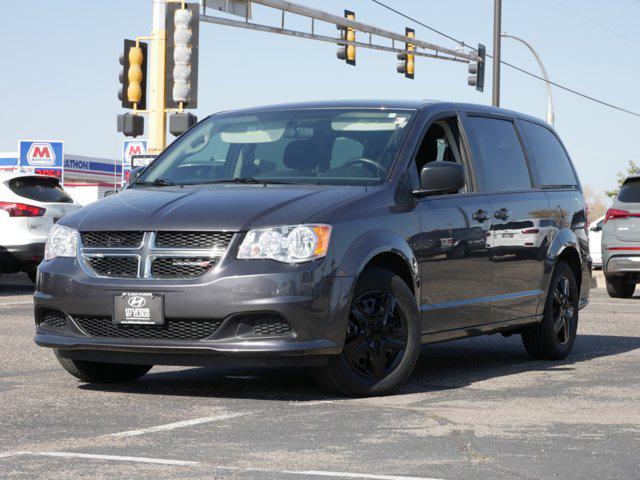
[137,302]
[191,263]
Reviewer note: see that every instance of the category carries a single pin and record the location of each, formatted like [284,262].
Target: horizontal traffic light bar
[321,15]
[462,58]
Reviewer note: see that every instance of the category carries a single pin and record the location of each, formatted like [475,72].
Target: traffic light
[476,69]
[181,60]
[407,60]
[347,52]
[133,75]
[181,122]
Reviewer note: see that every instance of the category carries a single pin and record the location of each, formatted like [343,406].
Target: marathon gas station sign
[45,157]
[131,149]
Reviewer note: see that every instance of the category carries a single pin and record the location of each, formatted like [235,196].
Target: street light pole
[157,136]
[550,114]
[497,29]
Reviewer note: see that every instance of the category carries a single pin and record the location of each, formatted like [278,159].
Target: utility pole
[497,30]
[550,114]
[157,120]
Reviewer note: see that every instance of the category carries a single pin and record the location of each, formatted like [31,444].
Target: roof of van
[387,104]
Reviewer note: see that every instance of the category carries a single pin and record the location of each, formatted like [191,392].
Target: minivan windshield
[320,146]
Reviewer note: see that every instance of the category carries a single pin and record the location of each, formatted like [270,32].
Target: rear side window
[501,155]
[40,189]
[630,192]
[552,163]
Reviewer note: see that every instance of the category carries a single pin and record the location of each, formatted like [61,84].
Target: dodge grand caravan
[338,236]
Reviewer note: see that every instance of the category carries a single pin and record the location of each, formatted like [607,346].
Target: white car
[29,206]
[595,242]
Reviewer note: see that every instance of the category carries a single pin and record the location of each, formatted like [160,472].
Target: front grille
[114,266]
[173,329]
[271,325]
[111,239]
[51,319]
[181,267]
[218,240]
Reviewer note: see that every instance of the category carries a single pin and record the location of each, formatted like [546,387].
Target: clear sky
[60,68]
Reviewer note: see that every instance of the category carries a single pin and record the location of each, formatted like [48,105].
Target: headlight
[61,242]
[290,244]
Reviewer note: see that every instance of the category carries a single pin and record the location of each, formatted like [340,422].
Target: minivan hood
[225,207]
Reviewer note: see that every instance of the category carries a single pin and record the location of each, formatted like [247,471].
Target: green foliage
[632,169]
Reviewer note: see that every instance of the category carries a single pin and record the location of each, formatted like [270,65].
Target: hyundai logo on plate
[137,302]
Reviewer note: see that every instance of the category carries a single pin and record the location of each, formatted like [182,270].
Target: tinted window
[552,164]
[39,189]
[630,192]
[501,154]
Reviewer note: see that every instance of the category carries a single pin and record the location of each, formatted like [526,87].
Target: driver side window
[441,143]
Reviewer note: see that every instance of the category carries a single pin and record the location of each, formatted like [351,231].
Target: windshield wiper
[244,180]
[158,182]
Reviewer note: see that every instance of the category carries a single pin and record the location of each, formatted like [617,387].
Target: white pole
[550,114]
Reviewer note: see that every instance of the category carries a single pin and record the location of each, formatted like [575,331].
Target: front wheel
[620,287]
[554,336]
[99,372]
[382,342]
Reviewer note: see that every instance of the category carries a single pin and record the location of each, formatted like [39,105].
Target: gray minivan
[338,235]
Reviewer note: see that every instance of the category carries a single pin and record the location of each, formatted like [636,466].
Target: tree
[595,202]
[632,169]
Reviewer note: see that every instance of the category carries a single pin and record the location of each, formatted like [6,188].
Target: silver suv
[621,241]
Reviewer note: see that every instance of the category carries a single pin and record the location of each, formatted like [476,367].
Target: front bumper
[315,307]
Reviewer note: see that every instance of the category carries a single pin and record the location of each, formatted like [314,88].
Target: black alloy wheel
[563,310]
[376,334]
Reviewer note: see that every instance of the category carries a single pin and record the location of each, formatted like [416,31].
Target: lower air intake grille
[181,267]
[271,325]
[114,266]
[51,319]
[189,329]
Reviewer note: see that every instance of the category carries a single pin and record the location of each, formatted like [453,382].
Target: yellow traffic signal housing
[408,60]
[133,91]
[347,52]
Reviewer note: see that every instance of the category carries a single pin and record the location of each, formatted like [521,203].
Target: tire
[554,336]
[98,372]
[32,274]
[379,354]
[620,287]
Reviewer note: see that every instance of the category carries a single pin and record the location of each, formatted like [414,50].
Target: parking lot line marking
[8,304]
[118,458]
[319,473]
[171,426]
[13,454]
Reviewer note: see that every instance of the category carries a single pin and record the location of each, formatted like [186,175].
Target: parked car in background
[595,242]
[621,241]
[334,235]
[29,206]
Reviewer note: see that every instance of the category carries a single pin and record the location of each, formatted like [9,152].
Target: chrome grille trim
[147,252]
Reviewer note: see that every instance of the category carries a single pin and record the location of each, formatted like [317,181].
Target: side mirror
[596,228]
[437,178]
[133,176]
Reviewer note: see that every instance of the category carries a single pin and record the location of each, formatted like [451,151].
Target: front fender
[371,243]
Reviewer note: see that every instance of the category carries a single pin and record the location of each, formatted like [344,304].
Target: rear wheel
[554,336]
[99,372]
[382,341]
[620,287]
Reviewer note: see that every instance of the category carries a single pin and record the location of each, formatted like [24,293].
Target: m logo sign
[41,154]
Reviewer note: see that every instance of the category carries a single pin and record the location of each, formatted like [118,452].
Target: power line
[503,62]
[613,31]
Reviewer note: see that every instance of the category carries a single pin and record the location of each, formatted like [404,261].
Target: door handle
[502,214]
[481,216]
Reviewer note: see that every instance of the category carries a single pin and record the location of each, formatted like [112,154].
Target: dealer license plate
[138,308]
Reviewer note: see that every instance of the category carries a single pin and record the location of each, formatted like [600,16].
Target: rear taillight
[615,214]
[21,209]
[531,231]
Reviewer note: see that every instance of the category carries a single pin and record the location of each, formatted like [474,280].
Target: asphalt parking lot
[474,409]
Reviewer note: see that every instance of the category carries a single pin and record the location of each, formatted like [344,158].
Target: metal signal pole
[497,31]
[157,119]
